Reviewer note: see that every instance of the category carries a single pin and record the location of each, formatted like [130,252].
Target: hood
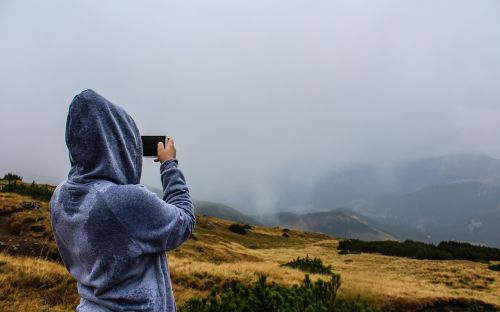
[103,141]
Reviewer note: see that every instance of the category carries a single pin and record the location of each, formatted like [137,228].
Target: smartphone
[150,144]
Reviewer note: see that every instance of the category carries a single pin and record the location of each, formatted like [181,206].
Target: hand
[166,153]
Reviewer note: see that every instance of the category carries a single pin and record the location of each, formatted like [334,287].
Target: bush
[285,234]
[495,267]
[467,251]
[247,226]
[307,264]
[237,228]
[419,250]
[12,177]
[42,192]
[270,297]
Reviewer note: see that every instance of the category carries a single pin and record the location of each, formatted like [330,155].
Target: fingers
[170,141]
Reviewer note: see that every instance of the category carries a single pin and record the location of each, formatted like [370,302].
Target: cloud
[255,92]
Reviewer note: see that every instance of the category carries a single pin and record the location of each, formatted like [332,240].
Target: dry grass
[381,279]
[216,254]
[9,202]
[24,231]
[29,284]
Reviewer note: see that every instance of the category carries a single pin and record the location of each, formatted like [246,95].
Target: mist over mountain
[348,186]
[447,169]
[442,198]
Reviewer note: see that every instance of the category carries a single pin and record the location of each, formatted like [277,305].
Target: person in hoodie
[112,232]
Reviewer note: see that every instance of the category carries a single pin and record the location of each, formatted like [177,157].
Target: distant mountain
[440,205]
[339,223]
[221,211]
[463,211]
[482,229]
[443,198]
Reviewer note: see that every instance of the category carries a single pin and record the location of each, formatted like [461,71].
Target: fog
[257,94]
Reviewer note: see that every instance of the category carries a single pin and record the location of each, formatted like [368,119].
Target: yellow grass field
[215,254]
[382,279]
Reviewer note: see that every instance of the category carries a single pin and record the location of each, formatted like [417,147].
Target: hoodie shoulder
[122,193]
[130,202]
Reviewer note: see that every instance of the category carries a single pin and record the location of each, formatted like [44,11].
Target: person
[112,232]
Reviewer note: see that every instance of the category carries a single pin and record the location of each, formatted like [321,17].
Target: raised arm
[157,224]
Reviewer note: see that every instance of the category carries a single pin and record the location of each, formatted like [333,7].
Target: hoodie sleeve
[157,225]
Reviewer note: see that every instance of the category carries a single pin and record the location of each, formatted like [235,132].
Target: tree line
[447,250]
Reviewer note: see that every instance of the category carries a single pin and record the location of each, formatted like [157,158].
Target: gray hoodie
[111,231]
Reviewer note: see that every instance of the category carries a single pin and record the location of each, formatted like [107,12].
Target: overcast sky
[254,91]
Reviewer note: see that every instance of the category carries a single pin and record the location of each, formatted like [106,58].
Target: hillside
[467,211]
[214,254]
[338,223]
[221,211]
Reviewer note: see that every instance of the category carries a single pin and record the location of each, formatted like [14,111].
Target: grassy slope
[216,254]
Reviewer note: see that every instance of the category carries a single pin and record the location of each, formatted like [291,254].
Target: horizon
[384,169]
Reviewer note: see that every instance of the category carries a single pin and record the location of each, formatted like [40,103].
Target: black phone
[150,144]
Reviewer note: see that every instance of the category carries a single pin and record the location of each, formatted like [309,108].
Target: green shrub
[467,251]
[418,250]
[42,192]
[247,226]
[495,267]
[237,228]
[12,177]
[285,234]
[270,297]
[310,265]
